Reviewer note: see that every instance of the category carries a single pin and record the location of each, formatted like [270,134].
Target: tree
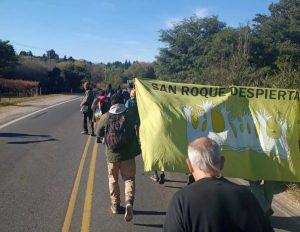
[8,58]
[139,69]
[52,55]
[187,46]
[24,53]
[276,37]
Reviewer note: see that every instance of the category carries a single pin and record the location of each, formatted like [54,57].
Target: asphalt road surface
[52,178]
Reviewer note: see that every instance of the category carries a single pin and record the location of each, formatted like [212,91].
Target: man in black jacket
[213,203]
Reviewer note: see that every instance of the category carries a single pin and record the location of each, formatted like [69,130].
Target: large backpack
[115,133]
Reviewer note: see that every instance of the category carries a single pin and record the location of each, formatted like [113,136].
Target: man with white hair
[212,203]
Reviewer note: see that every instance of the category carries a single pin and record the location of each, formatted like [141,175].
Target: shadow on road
[39,115]
[176,187]
[149,225]
[175,181]
[145,212]
[21,135]
[34,141]
[44,138]
[286,223]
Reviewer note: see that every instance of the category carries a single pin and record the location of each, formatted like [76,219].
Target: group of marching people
[210,203]
[118,128]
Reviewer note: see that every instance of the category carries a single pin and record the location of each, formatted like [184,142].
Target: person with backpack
[119,129]
[131,102]
[86,109]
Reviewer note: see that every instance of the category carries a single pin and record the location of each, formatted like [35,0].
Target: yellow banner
[258,128]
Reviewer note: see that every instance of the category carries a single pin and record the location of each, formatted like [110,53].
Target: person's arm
[95,102]
[174,218]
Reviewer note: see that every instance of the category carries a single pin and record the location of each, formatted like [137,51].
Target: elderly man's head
[204,156]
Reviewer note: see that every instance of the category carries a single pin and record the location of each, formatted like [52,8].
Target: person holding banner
[264,191]
[212,201]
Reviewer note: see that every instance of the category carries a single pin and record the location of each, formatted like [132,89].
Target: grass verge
[294,189]
[5,101]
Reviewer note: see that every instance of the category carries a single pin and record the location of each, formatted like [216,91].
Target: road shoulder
[9,113]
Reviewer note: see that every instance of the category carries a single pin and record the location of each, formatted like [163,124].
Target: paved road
[52,177]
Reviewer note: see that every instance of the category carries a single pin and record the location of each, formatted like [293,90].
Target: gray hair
[204,153]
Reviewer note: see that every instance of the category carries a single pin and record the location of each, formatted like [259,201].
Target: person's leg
[258,191]
[114,189]
[155,176]
[128,170]
[91,121]
[271,188]
[84,124]
[162,178]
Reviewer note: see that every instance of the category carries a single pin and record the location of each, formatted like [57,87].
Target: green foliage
[188,44]
[52,55]
[139,69]
[74,73]
[206,51]
[8,59]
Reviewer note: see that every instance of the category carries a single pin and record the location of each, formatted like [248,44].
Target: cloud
[201,12]
[171,22]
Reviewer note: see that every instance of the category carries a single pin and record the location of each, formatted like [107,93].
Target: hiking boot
[115,208]
[154,178]
[162,178]
[128,213]
[84,132]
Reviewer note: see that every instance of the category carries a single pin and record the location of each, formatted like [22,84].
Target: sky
[104,31]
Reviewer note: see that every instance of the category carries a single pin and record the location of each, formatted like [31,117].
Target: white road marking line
[35,112]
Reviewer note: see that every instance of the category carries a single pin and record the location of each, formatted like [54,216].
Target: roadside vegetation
[12,101]
[264,53]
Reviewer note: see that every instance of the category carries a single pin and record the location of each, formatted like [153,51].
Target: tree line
[206,51]
[264,53]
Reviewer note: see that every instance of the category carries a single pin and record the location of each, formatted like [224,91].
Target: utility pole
[105,74]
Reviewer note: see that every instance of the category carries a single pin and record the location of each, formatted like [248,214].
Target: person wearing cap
[122,160]
[213,203]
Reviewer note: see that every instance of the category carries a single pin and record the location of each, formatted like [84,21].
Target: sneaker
[162,178]
[84,132]
[115,208]
[154,178]
[128,213]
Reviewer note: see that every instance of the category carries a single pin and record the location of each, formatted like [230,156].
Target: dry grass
[294,188]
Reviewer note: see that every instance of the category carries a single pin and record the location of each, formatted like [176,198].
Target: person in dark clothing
[109,91]
[126,95]
[105,102]
[213,203]
[86,109]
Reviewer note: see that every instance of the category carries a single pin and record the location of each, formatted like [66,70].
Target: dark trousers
[88,116]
